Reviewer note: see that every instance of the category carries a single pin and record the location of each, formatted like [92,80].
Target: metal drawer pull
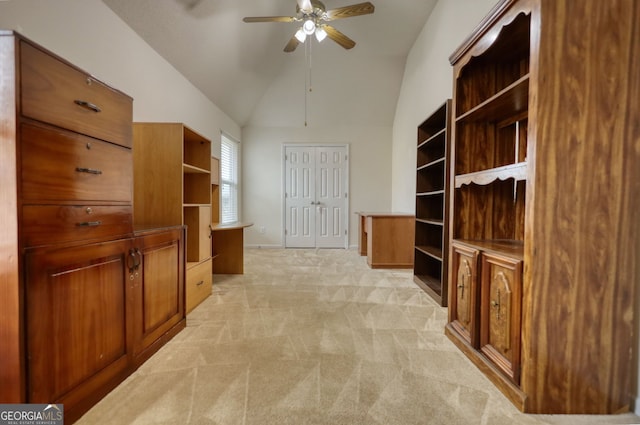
[89,224]
[88,170]
[88,105]
[200,283]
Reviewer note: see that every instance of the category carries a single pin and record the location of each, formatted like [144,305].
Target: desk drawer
[199,281]
[47,224]
[59,165]
[57,93]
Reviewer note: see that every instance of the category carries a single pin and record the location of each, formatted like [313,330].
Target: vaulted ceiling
[243,69]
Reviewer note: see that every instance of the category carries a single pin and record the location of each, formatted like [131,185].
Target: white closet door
[300,195]
[316,204]
[331,197]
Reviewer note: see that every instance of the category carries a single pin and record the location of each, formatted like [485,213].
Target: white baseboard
[269,246]
[636,406]
[274,246]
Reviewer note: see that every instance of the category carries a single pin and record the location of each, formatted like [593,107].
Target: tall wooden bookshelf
[545,178]
[432,204]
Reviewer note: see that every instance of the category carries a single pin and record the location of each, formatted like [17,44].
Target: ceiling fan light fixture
[321,34]
[301,35]
[309,26]
[314,17]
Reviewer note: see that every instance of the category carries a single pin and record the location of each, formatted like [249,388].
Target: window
[229,180]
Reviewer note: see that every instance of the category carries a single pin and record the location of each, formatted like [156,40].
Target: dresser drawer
[62,166]
[57,93]
[199,281]
[47,224]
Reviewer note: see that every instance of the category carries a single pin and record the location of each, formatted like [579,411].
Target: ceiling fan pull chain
[310,63]
[306,82]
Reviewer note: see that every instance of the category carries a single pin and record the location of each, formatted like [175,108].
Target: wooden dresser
[84,297]
[543,211]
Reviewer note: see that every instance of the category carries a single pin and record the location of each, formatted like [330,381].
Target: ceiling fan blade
[269,19]
[305,6]
[349,11]
[291,45]
[339,37]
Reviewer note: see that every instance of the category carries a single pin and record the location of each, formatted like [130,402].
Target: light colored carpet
[314,337]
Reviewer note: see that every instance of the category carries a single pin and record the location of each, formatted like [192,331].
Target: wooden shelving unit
[215,199]
[541,271]
[215,190]
[172,166]
[432,200]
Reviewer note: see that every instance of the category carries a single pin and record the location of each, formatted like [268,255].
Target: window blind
[228,180]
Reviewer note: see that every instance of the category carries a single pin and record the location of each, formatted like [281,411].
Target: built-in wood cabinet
[432,204]
[173,186]
[544,193]
[157,289]
[76,317]
[96,311]
[84,297]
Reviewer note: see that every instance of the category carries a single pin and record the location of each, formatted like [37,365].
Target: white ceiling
[242,68]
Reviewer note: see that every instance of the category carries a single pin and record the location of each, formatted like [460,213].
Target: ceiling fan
[314,17]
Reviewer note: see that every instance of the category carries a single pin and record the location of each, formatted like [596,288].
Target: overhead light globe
[321,34]
[309,26]
[301,35]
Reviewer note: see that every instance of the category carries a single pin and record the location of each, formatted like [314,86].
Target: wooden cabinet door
[76,321]
[464,292]
[158,288]
[500,312]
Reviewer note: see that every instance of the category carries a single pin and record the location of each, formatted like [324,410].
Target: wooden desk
[387,239]
[227,246]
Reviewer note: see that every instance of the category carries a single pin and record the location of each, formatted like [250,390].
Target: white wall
[335,115]
[262,179]
[88,34]
[427,82]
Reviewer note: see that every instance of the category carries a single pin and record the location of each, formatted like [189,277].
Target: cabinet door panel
[464,292]
[159,289]
[76,318]
[160,286]
[501,312]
